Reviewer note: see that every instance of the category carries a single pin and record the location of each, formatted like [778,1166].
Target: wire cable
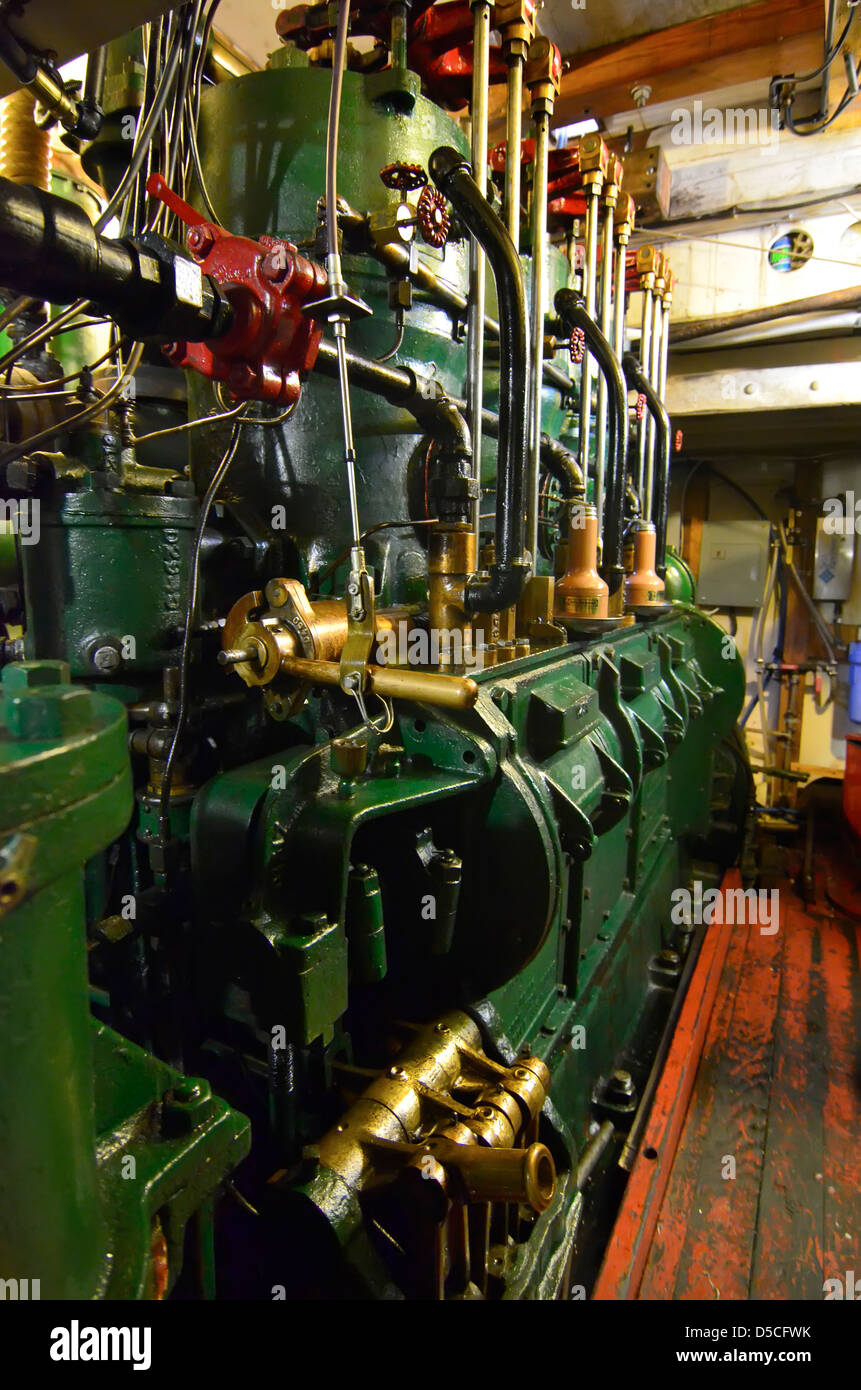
[185,656]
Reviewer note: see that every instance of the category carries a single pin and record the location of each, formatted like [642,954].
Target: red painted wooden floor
[777,1101]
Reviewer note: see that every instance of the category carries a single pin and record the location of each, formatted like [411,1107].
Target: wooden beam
[690,59]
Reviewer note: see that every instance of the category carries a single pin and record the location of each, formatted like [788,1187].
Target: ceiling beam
[690,59]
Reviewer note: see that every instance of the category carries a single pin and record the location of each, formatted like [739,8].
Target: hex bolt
[200,242]
[276,593]
[106,659]
[621,1086]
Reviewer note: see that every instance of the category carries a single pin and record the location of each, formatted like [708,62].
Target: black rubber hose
[661,485]
[570,308]
[451,174]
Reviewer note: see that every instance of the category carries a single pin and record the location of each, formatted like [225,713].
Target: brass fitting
[282,634]
[594,161]
[647,266]
[581,592]
[445,1099]
[644,587]
[626,216]
[613,183]
[516,24]
[451,565]
[543,72]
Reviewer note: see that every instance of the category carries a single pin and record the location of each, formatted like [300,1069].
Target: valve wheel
[432,216]
[577,346]
[404,177]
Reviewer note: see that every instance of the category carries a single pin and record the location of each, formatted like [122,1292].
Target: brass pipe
[391,682]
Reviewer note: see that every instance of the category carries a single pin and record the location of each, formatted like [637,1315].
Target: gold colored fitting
[581,592]
[445,1100]
[594,159]
[543,71]
[644,587]
[515,21]
[613,182]
[626,217]
[451,565]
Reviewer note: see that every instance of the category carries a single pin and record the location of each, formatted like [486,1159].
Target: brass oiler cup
[644,587]
[581,592]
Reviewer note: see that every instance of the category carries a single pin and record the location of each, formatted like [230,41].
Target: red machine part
[439,41]
[440,49]
[308,26]
[271,341]
[433,217]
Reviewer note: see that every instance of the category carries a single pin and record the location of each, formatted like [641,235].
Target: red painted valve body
[271,341]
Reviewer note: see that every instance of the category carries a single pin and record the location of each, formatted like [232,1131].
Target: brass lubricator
[644,587]
[581,592]
[443,1147]
[282,640]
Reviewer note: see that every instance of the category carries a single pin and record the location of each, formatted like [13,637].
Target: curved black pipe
[570,308]
[424,398]
[451,174]
[661,484]
[441,415]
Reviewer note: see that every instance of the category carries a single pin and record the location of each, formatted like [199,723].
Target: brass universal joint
[626,216]
[516,24]
[647,265]
[543,73]
[613,184]
[594,161]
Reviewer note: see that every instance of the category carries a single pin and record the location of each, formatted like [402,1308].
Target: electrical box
[733,562]
[834,555]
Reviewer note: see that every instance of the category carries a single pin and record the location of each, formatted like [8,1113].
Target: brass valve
[280,635]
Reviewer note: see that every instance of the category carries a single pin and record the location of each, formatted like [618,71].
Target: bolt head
[106,659]
[200,242]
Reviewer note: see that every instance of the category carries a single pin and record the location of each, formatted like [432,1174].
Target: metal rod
[398,34]
[645,356]
[590,289]
[541,128]
[652,372]
[607,328]
[333,258]
[513,130]
[620,299]
[477,269]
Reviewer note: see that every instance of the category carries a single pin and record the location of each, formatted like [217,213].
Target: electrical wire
[849,95]
[185,656]
[83,417]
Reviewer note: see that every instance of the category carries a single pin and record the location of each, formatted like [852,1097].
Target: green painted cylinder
[262,141]
[66,793]
[109,576]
